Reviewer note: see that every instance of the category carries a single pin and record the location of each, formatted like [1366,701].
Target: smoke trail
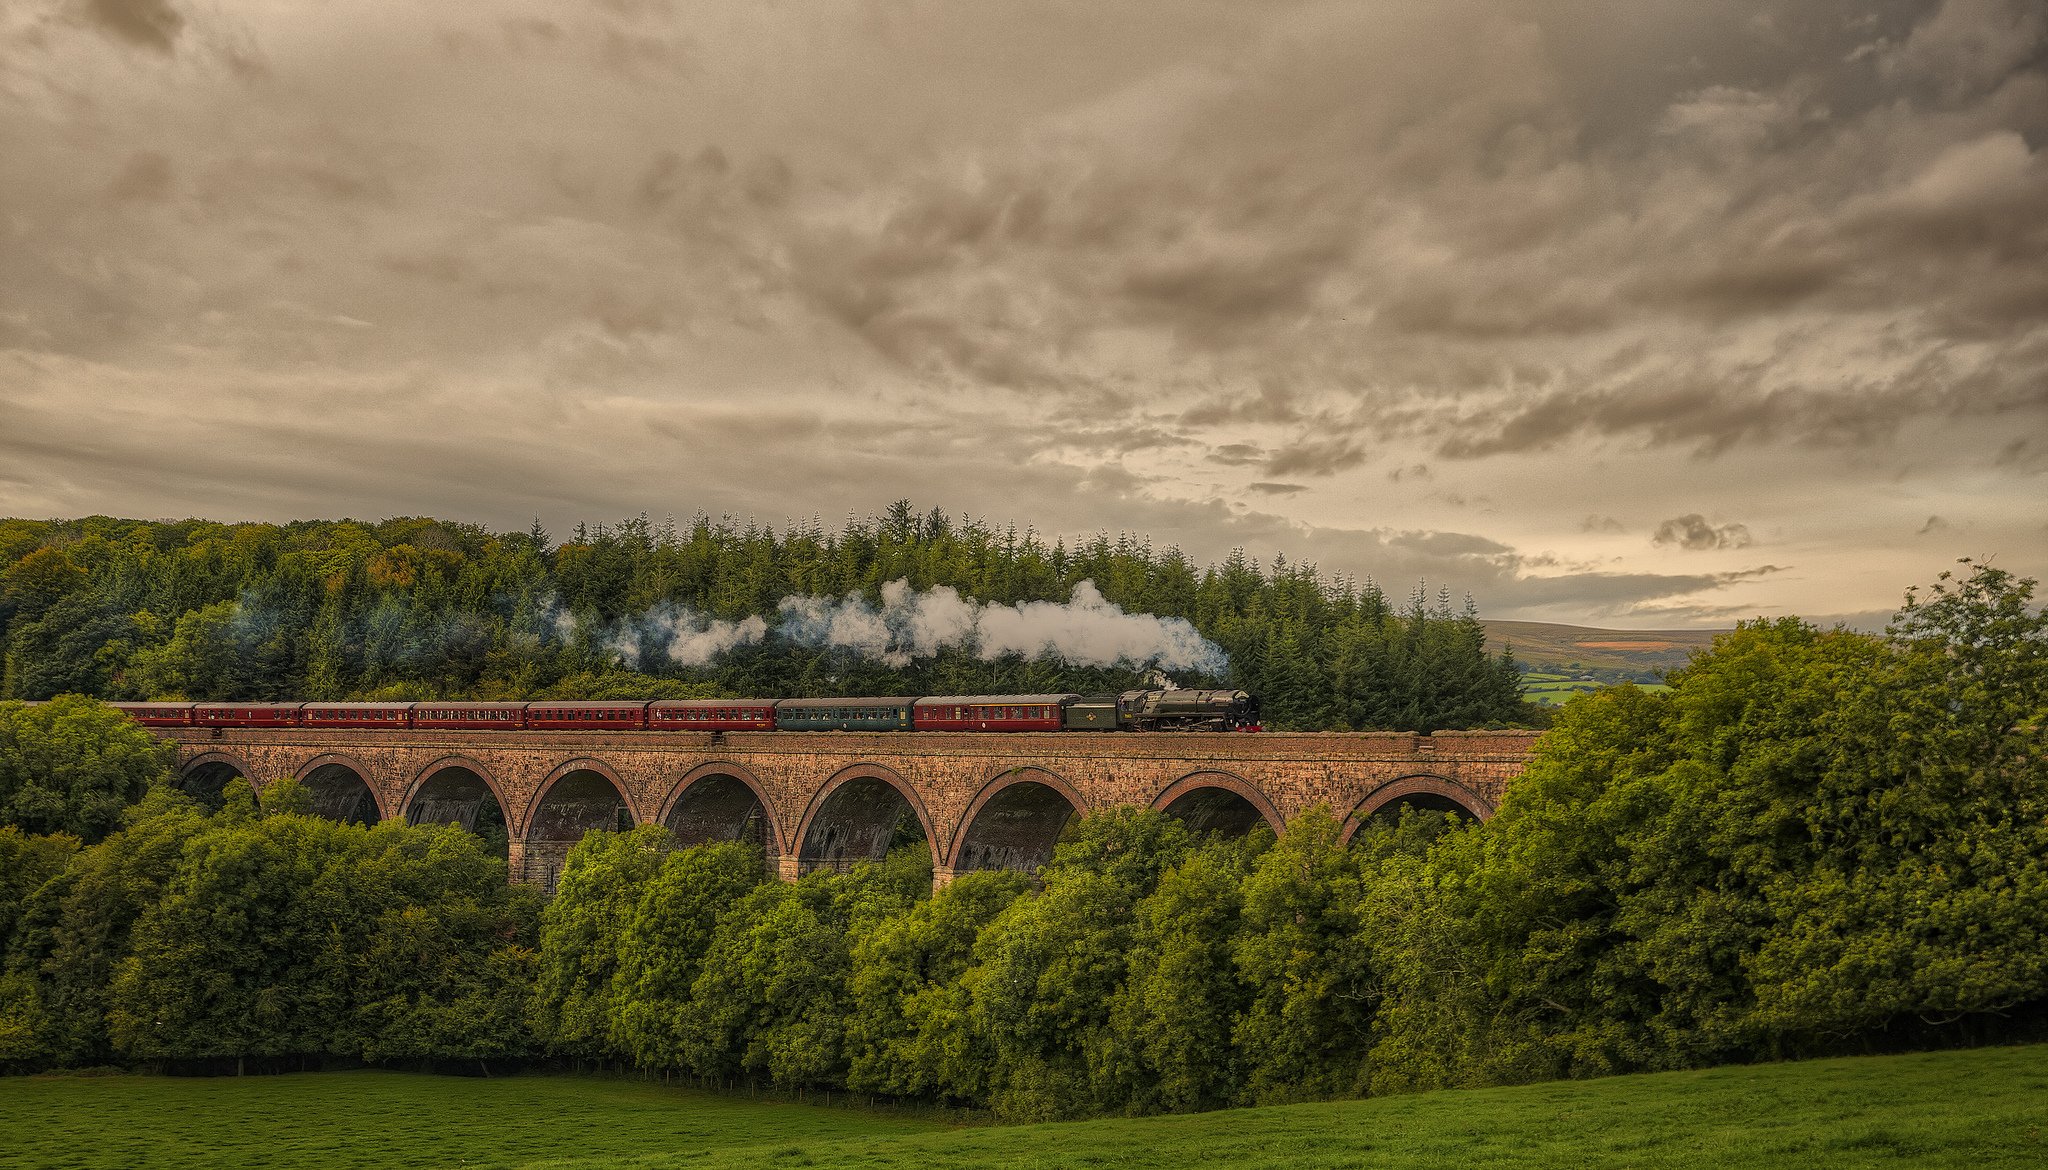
[1086,631]
[695,642]
[909,626]
[687,637]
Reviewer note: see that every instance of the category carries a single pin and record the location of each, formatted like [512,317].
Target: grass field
[1985,1109]
[1547,644]
[375,1119]
[1553,689]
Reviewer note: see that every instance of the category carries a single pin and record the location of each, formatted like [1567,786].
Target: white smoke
[696,642]
[688,638]
[908,626]
[1086,631]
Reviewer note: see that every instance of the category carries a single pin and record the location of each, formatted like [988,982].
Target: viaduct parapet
[835,798]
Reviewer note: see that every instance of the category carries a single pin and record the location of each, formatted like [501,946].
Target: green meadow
[1552,690]
[1983,1108]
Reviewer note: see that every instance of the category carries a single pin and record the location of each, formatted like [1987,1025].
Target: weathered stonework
[947,780]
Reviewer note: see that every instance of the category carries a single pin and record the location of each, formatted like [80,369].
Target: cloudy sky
[1638,313]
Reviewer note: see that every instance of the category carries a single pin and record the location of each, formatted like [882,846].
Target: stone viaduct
[831,799]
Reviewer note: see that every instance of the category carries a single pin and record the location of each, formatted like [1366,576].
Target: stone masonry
[979,800]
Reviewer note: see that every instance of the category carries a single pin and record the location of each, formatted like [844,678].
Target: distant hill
[1594,650]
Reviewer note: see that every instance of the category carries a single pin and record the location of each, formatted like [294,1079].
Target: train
[1137,710]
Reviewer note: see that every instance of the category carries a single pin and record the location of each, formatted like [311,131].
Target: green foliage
[73,765]
[185,937]
[661,947]
[80,927]
[907,1030]
[583,931]
[26,862]
[1816,841]
[773,999]
[1306,1025]
[415,608]
[1177,1009]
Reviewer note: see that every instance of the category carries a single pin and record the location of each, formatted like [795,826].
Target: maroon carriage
[469,716]
[157,714]
[395,716]
[586,716]
[246,714]
[990,712]
[712,715]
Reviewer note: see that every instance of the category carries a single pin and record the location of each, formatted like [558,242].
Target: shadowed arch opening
[1218,802]
[206,777]
[338,791]
[720,802]
[860,816]
[1422,793]
[1015,822]
[452,793]
[580,798]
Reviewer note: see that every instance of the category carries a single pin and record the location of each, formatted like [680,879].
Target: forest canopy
[416,608]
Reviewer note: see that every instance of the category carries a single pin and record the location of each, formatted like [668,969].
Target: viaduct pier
[831,799]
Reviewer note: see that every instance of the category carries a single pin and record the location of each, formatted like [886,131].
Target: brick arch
[846,776]
[1231,782]
[363,773]
[579,764]
[361,770]
[995,786]
[1416,784]
[778,846]
[218,757]
[419,781]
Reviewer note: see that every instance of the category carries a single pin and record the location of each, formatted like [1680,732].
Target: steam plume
[908,626]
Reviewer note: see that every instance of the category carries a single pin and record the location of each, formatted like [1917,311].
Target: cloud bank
[1227,279]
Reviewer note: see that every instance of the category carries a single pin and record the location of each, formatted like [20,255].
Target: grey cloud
[1968,47]
[1934,524]
[1238,454]
[1206,292]
[1277,489]
[148,24]
[1315,457]
[1692,531]
[147,178]
[1713,409]
[1598,523]
[1273,400]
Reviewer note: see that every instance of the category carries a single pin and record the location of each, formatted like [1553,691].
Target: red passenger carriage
[246,714]
[371,715]
[712,715]
[587,716]
[157,714]
[471,716]
[989,712]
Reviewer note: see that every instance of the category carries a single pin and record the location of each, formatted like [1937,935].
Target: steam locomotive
[1163,709]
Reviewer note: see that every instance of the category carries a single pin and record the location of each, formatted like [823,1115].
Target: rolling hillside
[1543,644]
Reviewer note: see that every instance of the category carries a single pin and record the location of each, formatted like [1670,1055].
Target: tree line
[414,608]
[1819,841]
